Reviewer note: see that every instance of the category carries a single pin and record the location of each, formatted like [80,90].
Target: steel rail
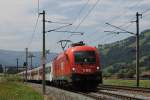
[139,89]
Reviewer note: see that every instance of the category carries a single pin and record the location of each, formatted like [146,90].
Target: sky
[18,28]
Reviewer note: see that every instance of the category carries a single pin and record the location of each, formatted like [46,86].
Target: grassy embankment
[11,88]
[131,83]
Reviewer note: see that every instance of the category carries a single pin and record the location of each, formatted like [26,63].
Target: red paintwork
[64,62]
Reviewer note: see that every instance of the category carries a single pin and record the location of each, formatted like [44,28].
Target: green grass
[12,89]
[131,83]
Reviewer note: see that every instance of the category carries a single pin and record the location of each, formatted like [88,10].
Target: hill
[118,58]
[8,58]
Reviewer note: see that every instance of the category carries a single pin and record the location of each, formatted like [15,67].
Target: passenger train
[79,65]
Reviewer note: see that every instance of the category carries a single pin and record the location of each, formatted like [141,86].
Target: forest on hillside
[119,58]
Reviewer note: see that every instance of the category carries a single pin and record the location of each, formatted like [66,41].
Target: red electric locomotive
[78,65]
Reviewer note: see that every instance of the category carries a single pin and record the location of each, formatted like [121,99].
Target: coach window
[48,70]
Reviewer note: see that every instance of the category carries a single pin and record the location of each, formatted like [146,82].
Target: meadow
[124,82]
[11,88]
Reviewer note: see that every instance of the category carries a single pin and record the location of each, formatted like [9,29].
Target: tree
[1,68]
[130,73]
[120,74]
[11,70]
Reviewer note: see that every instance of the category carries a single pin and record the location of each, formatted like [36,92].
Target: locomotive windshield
[85,57]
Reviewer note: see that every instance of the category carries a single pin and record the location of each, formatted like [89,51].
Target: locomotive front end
[86,67]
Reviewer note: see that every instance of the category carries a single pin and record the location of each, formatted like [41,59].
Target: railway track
[107,93]
[124,92]
[111,93]
[113,87]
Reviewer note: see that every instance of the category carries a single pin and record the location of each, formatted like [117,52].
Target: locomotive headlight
[97,68]
[73,69]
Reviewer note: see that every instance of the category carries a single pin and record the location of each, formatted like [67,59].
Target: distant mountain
[8,58]
[120,57]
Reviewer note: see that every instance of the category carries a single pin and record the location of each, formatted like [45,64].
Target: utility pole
[31,57]
[137,49]
[43,58]
[17,64]
[5,71]
[31,62]
[137,44]
[26,64]
[44,50]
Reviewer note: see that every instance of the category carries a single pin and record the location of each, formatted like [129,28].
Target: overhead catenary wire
[76,18]
[125,12]
[126,24]
[87,15]
[38,7]
[121,26]
[106,36]
[84,18]
[80,11]
[35,26]
[138,2]
[147,10]
[33,34]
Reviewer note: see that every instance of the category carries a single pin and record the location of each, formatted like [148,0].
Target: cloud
[72,3]
[18,18]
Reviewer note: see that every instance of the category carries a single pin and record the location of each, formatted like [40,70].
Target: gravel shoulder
[53,93]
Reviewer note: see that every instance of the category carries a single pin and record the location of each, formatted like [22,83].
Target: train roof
[81,43]
[37,68]
[81,48]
